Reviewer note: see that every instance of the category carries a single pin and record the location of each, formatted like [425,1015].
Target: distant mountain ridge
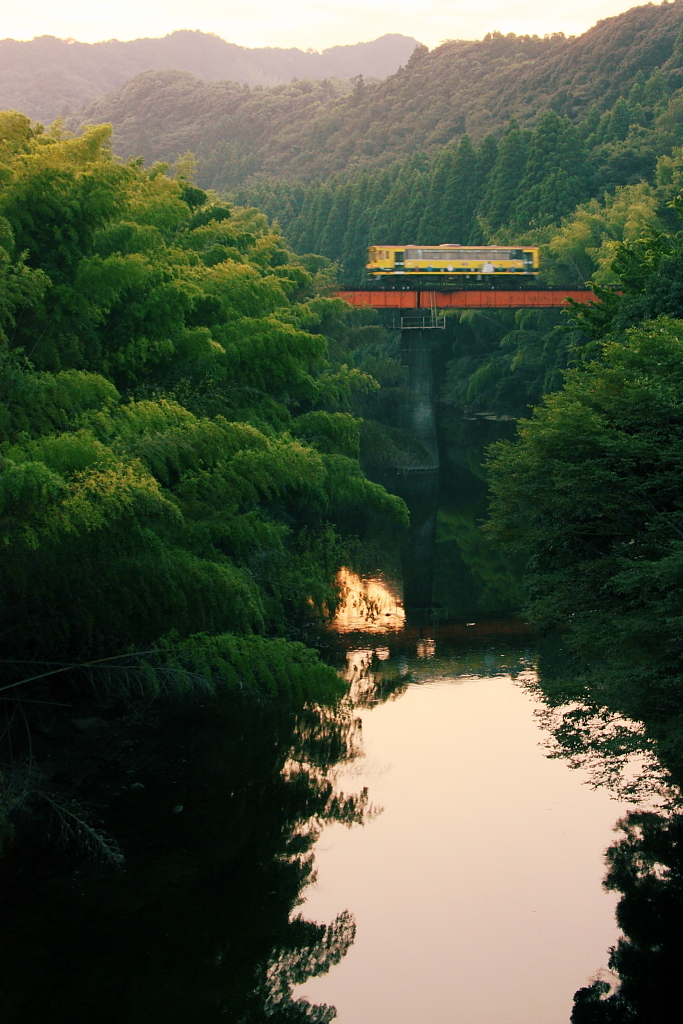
[46,76]
[307,130]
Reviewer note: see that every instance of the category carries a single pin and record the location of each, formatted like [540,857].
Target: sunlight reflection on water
[368,603]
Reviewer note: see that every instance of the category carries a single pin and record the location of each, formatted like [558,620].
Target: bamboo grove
[179,461]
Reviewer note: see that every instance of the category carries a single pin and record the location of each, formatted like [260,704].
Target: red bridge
[466,299]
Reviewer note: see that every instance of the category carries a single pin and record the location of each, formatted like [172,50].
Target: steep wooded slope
[47,76]
[304,130]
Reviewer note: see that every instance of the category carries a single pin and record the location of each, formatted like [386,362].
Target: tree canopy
[178,454]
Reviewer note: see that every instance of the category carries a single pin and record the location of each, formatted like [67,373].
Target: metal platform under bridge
[491,298]
[427,322]
[419,323]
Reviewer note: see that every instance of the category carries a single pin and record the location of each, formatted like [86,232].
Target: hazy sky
[303,23]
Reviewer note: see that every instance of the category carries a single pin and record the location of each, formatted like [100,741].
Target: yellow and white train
[452,263]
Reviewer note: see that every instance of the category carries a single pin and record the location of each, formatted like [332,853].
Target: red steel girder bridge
[491,298]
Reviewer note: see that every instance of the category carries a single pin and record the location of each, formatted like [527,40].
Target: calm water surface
[476,883]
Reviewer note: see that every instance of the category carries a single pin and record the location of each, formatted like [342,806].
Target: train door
[399,264]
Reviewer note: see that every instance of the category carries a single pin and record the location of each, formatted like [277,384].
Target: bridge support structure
[419,335]
[420,412]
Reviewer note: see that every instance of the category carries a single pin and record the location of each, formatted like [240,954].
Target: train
[451,264]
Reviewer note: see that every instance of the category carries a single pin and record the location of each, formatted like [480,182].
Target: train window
[458,255]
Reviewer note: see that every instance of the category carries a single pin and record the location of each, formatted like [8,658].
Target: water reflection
[646,867]
[420,491]
[447,650]
[637,760]
[217,819]
[370,604]
[371,681]
[486,853]
[451,572]
[448,566]
[458,592]
[485,863]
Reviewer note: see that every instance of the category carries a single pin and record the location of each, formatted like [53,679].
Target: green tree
[506,174]
[620,119]
[432,222]
[591,490]
[584,247]
[556,177]
[462,191]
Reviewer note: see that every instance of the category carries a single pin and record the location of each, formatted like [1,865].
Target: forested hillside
[307,131]
[46,76]
[598,166]
[518,187]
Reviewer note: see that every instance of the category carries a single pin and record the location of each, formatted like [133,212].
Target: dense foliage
[593,491]
[180,473]
[48,77]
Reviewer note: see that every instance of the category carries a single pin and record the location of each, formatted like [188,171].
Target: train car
[452,263]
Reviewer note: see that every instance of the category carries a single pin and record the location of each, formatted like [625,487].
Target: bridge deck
[466,299]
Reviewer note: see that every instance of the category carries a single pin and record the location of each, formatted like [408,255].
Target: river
[476,888]
[477,883]
[413,856]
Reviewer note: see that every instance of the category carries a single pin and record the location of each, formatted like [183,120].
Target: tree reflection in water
[216,820]
[639,760]
[646,866]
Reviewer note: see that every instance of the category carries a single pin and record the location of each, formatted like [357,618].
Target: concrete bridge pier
[419,417]
[419,486]
[420,491]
